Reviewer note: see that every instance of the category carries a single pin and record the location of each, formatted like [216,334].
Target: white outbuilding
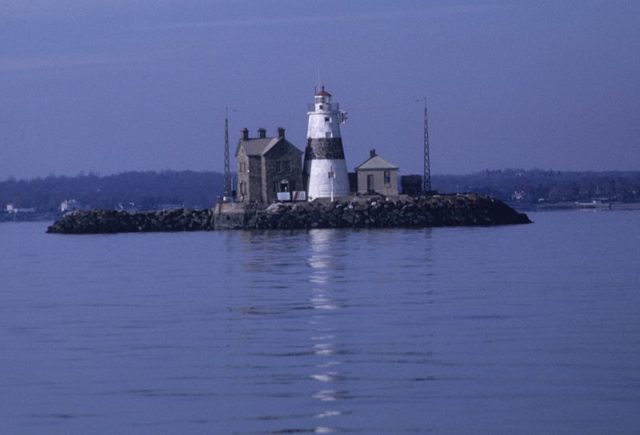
[376,175]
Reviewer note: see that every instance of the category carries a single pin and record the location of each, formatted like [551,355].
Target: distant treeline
[151,190]
[536,186]
[145,190]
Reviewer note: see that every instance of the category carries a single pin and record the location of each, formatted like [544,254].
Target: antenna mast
[227,172]
[426,179]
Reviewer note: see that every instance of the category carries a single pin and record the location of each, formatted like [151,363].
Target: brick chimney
[245,133]
[262,133]
[280,132]
[372,153]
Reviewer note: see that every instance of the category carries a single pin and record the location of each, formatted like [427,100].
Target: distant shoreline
[560,206]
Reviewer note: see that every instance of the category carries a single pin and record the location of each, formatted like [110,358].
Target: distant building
[267,166]
[132,207]
[69,205]
[376,175]
[12,209]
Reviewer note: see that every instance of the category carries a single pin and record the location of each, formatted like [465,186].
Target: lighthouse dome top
[322,93]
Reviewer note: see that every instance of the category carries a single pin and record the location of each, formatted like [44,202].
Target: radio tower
[426,179]
[227,173]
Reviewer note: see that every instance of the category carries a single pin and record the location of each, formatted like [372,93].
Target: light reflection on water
[324,343]
[452,330]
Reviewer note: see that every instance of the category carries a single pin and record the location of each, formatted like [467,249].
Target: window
[278,166]
[326,119]
[387,177]
[286,166]
[321,107]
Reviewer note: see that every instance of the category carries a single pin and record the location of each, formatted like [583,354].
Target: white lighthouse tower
[325,169]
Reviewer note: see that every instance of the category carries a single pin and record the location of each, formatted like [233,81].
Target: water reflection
[324,270]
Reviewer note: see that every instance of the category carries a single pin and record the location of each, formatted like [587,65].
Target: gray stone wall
[255,179]
[242,188]
[283,164]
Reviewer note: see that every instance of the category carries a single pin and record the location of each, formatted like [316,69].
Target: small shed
[376,175]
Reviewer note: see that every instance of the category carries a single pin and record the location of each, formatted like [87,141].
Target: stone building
[267,166]
[376,175]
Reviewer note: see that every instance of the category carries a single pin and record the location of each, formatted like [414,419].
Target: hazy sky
[113,85]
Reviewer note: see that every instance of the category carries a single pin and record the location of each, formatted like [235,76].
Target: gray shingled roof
[259,147]
[376,162]
[255,147]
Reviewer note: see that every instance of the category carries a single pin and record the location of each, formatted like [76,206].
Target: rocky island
[352,212]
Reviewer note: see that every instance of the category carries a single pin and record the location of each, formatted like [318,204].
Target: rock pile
[355,212]
[111,221]
[378,212]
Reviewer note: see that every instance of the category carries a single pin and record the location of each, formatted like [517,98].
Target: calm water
[526,329]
